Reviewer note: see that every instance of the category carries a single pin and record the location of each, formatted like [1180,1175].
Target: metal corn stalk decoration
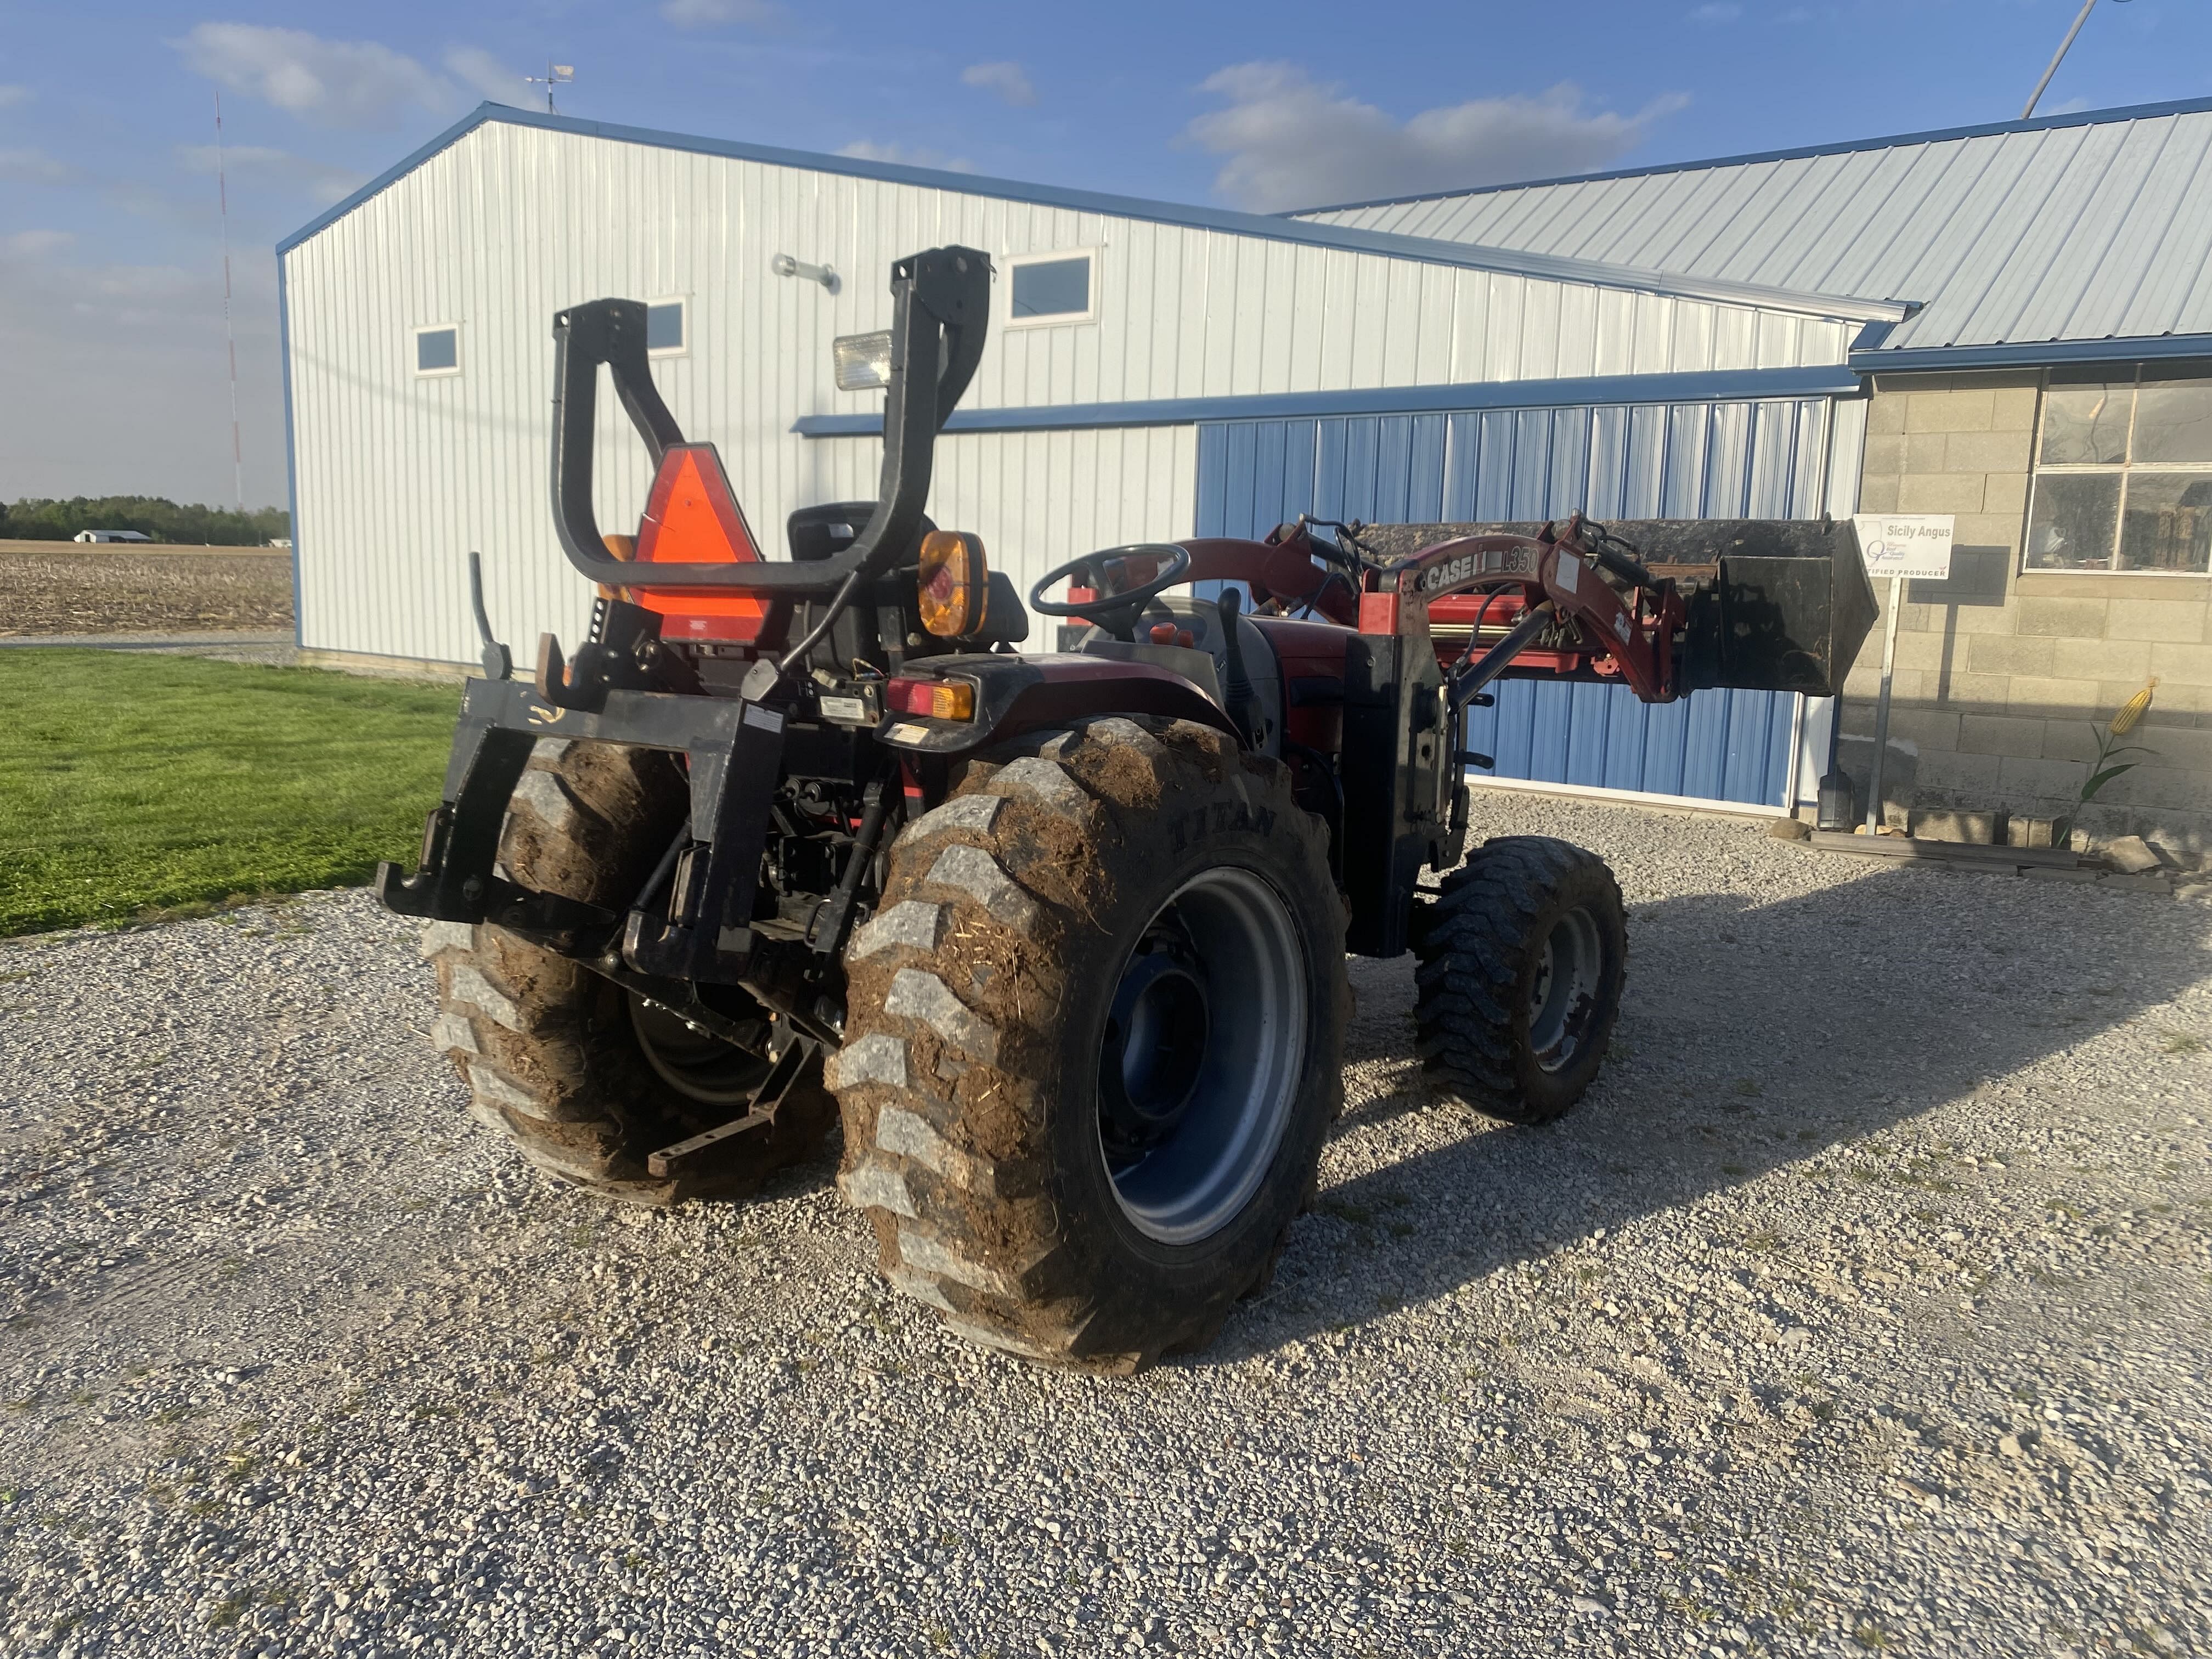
[2109,749]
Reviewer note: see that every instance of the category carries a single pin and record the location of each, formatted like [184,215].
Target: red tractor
[1060,936]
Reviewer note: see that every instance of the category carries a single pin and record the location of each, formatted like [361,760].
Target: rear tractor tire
[1094,1040]
[587,1079]
[1521,954]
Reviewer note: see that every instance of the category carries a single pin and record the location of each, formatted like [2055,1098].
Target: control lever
[1243,705]
[498,660]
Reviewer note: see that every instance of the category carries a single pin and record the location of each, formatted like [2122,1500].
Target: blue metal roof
[1453,252]
[2024,241]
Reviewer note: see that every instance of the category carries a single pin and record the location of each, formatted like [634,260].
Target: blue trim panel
[1816,382]
[2085,118]
[291,444]
[2032,354]
[1272,228]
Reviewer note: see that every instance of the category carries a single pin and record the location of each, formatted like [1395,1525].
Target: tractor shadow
[1753,1036]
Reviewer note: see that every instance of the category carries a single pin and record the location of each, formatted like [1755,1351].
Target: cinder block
[1978,691]
[1966,776]
[2183,664]
[1989,528]
[1885,453]
[1986,452]
[1950,411]
[1885,415]
[1925,452]
[1939,492]
[2101,659]
[1923,647]
[2009,653]
[2001,734]
[1986,618]
[1878,494]
[2168,788]
[2070,739]
[2012,409]
[2006,492]
[2184,748]
[2023,779]
[2179,621]
[2057,698]
[2076,618]
[1976,829]
[1933,729]
[2024,831]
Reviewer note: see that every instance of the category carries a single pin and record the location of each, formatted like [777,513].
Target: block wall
[2003,677]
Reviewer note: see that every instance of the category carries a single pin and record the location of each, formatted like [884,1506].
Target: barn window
[666,333]
[438,349]
[2123,471]
[1053,287]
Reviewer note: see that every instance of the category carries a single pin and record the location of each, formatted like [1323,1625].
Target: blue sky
[111,291]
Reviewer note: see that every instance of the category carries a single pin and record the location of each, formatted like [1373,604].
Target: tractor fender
[1014,694]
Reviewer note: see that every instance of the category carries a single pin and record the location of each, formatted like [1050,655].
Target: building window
[438,349]
[665,331]
[2123,471]
[1053,287]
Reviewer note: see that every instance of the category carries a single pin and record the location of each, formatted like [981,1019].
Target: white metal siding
[398,476]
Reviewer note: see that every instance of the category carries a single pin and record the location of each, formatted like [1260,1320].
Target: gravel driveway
[1862,1306]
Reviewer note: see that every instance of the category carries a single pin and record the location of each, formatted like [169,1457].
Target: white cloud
[1720,12]
[334,84]
[36,244]
[864,150]
[34,167]
[1291,141]
[713,14]
[14,94]
[1009,81]
[302,174]
[483,72]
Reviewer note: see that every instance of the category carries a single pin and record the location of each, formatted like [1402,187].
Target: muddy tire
[586,1079]
[1094,1041]
[1522,955]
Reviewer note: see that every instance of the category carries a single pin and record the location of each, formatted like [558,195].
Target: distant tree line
[32,519]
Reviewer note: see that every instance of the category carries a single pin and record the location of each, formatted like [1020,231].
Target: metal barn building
[1172,371]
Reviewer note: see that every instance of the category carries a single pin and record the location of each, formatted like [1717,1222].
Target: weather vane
[556,75]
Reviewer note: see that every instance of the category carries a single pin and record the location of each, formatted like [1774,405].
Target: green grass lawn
[132,783]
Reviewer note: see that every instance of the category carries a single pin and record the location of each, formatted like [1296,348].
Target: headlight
[863,360]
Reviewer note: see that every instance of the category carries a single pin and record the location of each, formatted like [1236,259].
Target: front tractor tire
[1521,957]
[587,1079]
[1094,1041]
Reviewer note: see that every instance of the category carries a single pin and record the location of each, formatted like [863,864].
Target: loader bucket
[1774,604]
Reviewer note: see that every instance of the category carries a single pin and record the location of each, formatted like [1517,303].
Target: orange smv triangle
[692,518]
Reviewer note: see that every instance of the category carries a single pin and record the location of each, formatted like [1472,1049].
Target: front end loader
[1059,935]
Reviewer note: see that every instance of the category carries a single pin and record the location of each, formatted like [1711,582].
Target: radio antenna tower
[229,339]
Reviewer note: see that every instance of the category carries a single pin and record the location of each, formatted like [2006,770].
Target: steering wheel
[1115,612]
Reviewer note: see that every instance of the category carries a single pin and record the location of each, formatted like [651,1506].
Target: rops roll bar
[940,308]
